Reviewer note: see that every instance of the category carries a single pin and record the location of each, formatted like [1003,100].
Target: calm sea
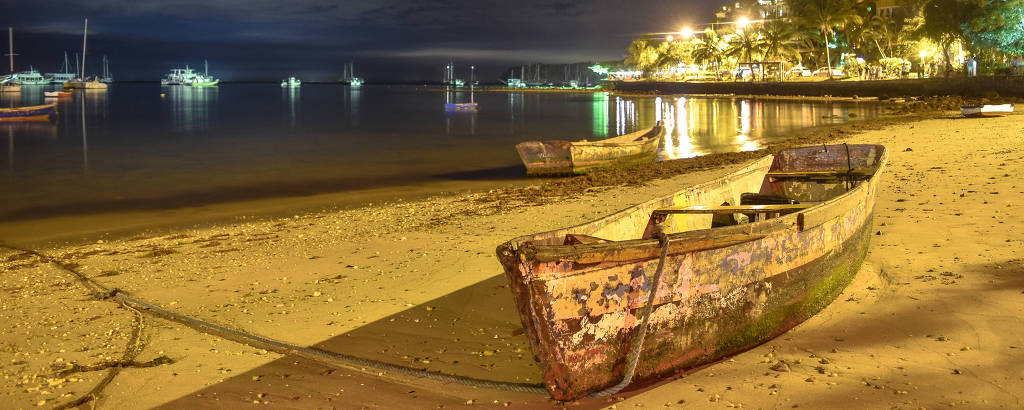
[133,148]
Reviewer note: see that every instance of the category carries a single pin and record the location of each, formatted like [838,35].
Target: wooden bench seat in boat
[823,175]
[732,209]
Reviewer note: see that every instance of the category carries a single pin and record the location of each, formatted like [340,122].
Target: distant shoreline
[976,87]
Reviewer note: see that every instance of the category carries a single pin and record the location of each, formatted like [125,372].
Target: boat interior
[798,179]
[631,137]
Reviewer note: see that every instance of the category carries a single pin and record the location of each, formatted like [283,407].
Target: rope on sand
[101,292]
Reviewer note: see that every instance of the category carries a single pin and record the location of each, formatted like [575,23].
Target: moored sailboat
[7,83]
[471,105]
[83,82]
[349,76]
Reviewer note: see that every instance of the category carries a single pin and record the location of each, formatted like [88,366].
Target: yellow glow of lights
[670,38]
[742,22]
[686,32]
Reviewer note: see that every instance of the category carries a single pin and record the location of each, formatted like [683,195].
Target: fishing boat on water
[471,106]
[566,158]
[189,77]
[83,82]
[986,110]
[696,276]
[349,76]
[56,94]
[30,113]
[291,82]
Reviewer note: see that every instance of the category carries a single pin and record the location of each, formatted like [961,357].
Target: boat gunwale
[640,137]
[527,251]
[28,108]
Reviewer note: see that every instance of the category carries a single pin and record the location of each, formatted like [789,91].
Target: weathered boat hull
[23,114]
[543,158]
[723,290]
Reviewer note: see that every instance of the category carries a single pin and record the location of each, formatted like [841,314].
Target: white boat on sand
[986,110]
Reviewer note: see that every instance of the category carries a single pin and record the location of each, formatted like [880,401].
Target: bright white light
[670,38]
[742,21]
[686,32]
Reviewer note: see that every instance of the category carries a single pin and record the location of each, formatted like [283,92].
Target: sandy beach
[935,317]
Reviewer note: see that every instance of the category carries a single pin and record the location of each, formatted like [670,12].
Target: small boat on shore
[31,113]
[579,157]
[986,110]
[695,276]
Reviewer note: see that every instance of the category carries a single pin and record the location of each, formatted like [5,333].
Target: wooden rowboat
[986,110]
[31,113]
[748,256]
[567,158]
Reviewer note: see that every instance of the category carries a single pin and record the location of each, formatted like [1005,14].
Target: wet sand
[933,319]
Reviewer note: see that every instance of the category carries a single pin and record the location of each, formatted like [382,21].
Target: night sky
[388,40]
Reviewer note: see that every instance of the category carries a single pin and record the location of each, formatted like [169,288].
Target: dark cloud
[392,39]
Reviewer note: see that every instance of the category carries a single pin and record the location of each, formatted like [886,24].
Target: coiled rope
[638,340]
[322,356]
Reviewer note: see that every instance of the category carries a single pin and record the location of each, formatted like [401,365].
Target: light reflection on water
[705,125]
[197,145]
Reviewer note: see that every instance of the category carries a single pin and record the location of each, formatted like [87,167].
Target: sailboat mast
[206,68]
[85,35]
[10,39]
[471,100]
[66,65]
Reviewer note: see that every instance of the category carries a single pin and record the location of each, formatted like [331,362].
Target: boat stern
[546,157]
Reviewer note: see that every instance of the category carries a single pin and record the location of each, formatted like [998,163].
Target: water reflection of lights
[743,138]
[677,119]
[190,107]
[625,115]
[600,115]
[292,95]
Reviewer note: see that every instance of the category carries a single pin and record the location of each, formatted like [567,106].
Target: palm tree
[745,45]
[826,16]
[709,50]
[778,39]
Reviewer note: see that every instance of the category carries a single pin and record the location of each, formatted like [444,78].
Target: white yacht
[187,76]
[30,77]
[291,82]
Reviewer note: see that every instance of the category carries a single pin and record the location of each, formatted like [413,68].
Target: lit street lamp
[686,32]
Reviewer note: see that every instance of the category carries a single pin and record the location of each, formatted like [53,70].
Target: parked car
[798,71]
[823,72]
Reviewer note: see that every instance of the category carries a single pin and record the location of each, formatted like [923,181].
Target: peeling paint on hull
[581,314]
